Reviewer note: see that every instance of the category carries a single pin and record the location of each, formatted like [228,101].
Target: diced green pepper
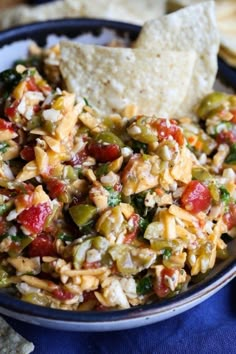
[79,253]
[210,102]
[4,279]
[140,130]
[215,193]
[35,298]
[130,260]
[110,138]
[48,126]
[34,123]
[159,245]
[201,174]
[21,242]
[82,214]
[100,243]
[71,173]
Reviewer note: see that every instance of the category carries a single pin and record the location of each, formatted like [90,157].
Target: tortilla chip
[113,78]
[11,342]
[132,11]
[129,11]
[226,22]
[195,28]
[226,16]
[26,14]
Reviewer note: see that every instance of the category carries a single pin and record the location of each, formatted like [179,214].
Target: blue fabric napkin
[208,328]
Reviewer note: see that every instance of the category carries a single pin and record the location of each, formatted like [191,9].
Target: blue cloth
[208,328]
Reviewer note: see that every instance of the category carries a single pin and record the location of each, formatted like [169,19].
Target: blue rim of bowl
[227,269]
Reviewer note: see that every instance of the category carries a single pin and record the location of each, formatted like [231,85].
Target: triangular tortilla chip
[193,28]
[11,341]
[120,10]
[132,11]
[112,78]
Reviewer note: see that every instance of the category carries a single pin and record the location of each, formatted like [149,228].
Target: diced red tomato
[79,158]
[160,287]
[130,236]
[41,246]
[62,294]
[33,219]
[36,108]
[55,187]
[230,217]
[91,265]
[226,137]
[89,295]
[196,197]
[166,128]
[11,110]
[103,153]
[4,125]
[233,120]
[27,153]
[31,84]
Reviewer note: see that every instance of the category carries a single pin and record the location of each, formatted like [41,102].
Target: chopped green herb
[10,78]
[143,224]
[65,237]
[144,286]
[114,197]
[167,253]
[137,200]
[231,158]
[86,102]
[137,146]
[224,195]
[3,209]
[102,170]
[3,147]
